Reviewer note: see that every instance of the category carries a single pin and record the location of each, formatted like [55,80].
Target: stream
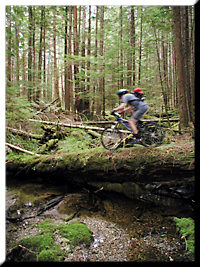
[144,221]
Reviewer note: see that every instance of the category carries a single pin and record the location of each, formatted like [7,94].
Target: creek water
[149,224]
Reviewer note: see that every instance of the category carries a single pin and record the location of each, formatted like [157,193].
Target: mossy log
[23,133]
[94,134]
[48,146]
[130,164]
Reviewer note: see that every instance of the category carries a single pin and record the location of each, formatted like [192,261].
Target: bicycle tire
[111,138]
[152,134]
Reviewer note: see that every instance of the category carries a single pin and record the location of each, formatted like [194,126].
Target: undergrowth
[185,227]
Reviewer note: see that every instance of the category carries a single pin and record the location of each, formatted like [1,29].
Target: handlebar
[116,114]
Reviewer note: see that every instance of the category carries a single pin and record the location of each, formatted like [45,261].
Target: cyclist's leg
[132,124]
[137,116]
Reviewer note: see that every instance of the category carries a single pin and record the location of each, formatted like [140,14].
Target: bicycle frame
[124,122]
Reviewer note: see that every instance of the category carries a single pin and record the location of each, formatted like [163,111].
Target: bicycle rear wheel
[111,138]
[152,134]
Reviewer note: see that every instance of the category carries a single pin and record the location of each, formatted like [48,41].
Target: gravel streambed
[110,243]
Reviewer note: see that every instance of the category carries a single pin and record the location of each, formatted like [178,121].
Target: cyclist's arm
[121,106]
[128,108]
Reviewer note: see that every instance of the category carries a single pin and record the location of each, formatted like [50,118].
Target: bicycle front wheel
[152,134]
[111,138]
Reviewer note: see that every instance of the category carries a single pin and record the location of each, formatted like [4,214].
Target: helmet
[122,91]
[137,90]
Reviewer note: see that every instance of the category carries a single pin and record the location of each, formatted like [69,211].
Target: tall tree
[86,101]
[101,79]
[38,93]
[121,46]
[183,114]
[9,44]
[56,85]
[44,54]
[186,52]
[132,30]
[66,66]
[30,53]
[140,52]
[83,91]
[70,83]
[75,33]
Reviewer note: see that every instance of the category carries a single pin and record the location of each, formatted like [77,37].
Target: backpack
[139,94]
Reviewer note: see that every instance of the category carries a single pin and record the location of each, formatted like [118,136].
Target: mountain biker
[139,106]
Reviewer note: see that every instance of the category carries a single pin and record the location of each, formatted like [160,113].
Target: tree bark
[121,47]
[133,42]
[38,93]
[76,54]
[183,114]
[86,101]
[101,101]
[70,84]
[66,66]
[140,52]
[56,85]
[30,53]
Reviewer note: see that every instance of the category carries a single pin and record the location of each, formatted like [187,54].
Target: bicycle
[151,134]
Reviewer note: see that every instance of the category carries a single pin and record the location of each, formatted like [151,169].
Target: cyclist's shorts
[140,112]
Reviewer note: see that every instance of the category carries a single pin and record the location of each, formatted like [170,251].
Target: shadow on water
[146,216]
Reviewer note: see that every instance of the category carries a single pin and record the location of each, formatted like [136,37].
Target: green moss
[185,226]
[42,247]
[47,255]
[77,232]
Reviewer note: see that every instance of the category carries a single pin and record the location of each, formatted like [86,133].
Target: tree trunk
[160,74]
[86,101]
[76,54]
[101,80]
[38,93]
[70,83]
[56,85]
[133,42]
[33,55]
[140,53]
[183,114]
[44,56]
[30,53]
[66,72]
[9,51]
[17,51]
[121,48]
[95,88]
[82,99]
[186,46]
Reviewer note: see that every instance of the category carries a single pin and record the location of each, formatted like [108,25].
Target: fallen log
[48,146]
[144,120]
[49,204]
[74,126]
[94,134]
[21,150]
[23,133]
[124,165]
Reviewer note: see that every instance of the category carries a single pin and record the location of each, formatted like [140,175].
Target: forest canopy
[83,54]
